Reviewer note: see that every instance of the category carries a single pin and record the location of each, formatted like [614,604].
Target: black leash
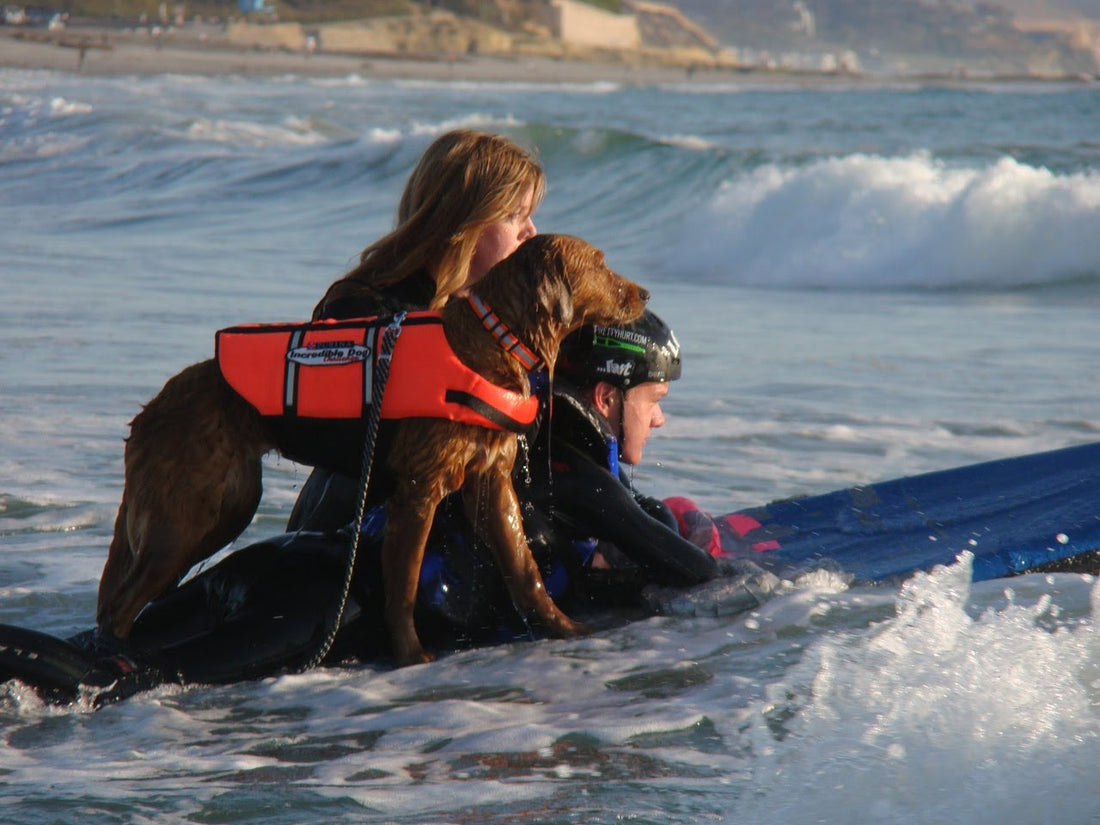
[381,374]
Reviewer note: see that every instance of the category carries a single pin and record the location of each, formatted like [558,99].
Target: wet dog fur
[193,473]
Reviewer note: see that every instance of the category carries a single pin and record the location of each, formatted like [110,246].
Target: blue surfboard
[1028,513]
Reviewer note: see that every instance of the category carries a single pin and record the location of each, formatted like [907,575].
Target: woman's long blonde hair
[464,181]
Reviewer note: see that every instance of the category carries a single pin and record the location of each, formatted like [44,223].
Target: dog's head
[554,284]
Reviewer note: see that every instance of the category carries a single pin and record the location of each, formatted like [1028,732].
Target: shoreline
[104,51]
[101,51]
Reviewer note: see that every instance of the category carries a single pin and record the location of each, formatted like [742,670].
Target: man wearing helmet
[608,386]
[623,373]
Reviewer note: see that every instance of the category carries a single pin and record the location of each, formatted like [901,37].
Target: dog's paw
[570,629]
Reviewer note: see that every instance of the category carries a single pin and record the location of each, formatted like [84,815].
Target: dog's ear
[555,296]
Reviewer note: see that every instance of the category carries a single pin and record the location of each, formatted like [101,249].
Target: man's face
[641,413]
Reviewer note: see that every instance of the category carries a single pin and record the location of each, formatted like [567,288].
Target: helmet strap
[600,403]
[622,421]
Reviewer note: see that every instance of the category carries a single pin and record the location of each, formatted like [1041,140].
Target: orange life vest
[324,370]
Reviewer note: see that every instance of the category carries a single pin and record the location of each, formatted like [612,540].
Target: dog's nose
[643,293]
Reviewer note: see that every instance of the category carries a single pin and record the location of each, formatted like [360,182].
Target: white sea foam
[472,120]
[971,705]
[694,143]
[60,107]
[293,132]
[41,146]
[869,221]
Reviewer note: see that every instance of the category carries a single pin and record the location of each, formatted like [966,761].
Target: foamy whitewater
[868,283]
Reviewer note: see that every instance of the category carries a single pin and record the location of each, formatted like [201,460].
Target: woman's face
[500,239]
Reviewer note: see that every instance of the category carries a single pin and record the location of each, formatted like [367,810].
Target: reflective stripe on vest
[324,370]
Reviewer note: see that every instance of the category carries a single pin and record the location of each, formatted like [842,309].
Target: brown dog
[193,471]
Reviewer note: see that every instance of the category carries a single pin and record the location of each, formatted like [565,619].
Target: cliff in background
[903,36]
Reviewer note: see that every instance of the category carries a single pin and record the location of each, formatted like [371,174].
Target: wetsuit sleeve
[658,510]
[592,502]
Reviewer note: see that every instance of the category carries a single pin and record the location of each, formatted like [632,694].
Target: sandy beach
[204,51]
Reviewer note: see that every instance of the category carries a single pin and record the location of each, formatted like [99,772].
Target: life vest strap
[486,410]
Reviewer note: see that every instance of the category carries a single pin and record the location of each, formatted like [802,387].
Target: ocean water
[868,282]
